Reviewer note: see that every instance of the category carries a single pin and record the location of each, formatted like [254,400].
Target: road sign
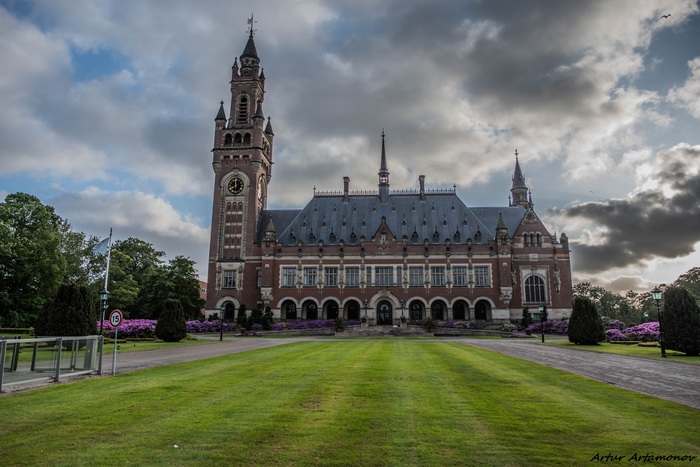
[116,318]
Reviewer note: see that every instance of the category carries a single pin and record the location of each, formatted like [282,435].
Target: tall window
[258,280]
[289,277]
[384,276]
[330,277]
[437,276]
[352,276]
[310,277]
[242,116]
[459,276]
[482,278]
[534,290]
[368,271]
[415,276]
[229,279]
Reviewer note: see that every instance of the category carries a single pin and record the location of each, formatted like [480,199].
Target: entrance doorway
[384,314]
[353,310]
[482,310]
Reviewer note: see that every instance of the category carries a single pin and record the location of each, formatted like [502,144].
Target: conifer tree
[267,318]
[680,322]
[171,326]
[242,318]
[585,325]
[527,318]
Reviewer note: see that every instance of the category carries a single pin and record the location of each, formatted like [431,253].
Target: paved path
[666,379]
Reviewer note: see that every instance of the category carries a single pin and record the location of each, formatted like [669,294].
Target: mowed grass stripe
[380,402]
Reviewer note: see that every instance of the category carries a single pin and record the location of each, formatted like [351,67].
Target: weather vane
[251,22]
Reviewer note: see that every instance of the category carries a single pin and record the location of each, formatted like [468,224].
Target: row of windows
[534,286]
[386,276]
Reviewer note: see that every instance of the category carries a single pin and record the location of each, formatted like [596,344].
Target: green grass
[389,402]
[653,353]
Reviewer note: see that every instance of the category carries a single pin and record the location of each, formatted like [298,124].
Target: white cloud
[687,96]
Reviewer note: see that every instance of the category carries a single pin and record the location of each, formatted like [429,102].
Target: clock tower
[242,163]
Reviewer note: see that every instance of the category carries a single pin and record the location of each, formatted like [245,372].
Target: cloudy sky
[107,113]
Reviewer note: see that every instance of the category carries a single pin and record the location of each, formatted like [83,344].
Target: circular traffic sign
[116,318]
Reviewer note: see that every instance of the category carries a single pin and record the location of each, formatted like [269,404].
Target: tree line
[40,252]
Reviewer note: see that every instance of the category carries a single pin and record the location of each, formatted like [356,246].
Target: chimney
[346,189]
[421,181]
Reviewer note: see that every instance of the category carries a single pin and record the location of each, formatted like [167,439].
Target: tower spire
[518,189]
[383,175]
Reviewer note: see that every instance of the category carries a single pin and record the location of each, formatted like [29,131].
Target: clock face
[235,185]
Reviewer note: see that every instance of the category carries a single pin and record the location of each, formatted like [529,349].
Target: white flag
[101,247]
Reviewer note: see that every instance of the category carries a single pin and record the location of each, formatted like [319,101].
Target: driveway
[666,379]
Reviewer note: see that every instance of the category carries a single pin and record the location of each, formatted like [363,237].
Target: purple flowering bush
[551,326]
[145,328]
[614,324]
[645,332]
[458,324]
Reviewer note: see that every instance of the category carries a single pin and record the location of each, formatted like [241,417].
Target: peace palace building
[380,254]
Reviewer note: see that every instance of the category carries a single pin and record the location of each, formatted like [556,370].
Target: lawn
[653,353]
[384,402]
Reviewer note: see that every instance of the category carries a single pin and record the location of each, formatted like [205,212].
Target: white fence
[26,361]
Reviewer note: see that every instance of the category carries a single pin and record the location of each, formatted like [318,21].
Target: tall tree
[70,313]
[179,281]
[680,322]
[691,282]
[31,263]
[585,325]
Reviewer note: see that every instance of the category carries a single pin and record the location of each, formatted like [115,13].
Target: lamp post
[104,295]
[222,310]
[543,310]
[656,294]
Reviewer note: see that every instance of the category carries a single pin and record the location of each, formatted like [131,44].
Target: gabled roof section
[436,218]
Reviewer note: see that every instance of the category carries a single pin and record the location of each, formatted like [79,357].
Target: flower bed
[145,328]
[646,332]
[551,326]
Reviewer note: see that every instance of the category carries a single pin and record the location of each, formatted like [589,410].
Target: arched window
[228,139]
[238,139]
[539,239]
[242,115]
[534,290]
[246,139]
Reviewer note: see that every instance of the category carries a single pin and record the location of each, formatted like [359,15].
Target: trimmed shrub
[527,318]
[171,326]
[267,319]
[585,325]
[681,321]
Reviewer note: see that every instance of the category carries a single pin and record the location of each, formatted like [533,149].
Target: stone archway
[352,310]
[385,315]
[438,310]
[482,310]
[230,311]
[311,310]
[460,310]
[331,311]
[415,311]
[289,310]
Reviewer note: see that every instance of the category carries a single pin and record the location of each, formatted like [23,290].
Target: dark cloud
[663,222]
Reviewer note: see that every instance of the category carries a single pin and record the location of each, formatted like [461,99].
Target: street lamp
[656,294]
[543,311]
[104,295]
[222,310]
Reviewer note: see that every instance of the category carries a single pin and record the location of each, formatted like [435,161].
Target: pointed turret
[501,229]
[268,128]
[221,115]
[518,189]
[383,175]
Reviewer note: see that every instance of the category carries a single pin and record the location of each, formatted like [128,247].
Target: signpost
[115,319]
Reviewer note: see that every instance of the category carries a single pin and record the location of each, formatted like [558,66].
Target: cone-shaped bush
[680,323]
[585,325]
[70,313]
[171,326]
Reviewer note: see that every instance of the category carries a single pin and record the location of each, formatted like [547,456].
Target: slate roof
[438,217]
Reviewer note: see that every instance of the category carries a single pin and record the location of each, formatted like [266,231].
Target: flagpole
[109,255]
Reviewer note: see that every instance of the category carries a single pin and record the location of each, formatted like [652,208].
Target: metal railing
[26,361]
